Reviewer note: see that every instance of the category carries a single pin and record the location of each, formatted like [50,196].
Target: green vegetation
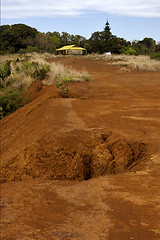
[129,51]
[155,55]
[34,70]
[5,71]
[16,77]
[15,37]
[104,41]
[22,73]
[20,38]
[29,49]
[10,101]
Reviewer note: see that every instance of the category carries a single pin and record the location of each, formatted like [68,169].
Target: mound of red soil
[33,91]
[77,156]
[56,138]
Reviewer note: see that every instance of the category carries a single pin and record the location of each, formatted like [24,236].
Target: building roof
[68,47]
[78,48]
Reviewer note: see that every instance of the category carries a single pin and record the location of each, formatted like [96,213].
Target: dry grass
[141,63]
[20,81]
[56,73]
[26,56]
[59,71]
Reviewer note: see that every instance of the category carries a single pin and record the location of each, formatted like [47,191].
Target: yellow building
[71,50]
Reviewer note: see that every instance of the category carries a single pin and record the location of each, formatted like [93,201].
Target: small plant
[63,85]
[5,71]
[85,76]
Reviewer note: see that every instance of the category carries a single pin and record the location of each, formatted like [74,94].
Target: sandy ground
[86,167]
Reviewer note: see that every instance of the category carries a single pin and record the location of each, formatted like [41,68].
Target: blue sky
[130,19]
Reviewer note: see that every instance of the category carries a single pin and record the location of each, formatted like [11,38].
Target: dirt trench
[62,158]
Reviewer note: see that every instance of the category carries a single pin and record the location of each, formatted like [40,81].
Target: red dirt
[109,126]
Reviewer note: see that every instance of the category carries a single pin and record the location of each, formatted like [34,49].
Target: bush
[29,49]
[35,70]
[155,55]
[129,51]
[13,84]
[5,71]
[10,101]
[63,85]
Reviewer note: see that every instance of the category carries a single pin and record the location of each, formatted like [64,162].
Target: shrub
[63,85]
[40,71]
[20,74]
[85,76]
[129,51]
[35,70]
[155,55]
[19,81]
[5,71]
[10,101]
[29,49]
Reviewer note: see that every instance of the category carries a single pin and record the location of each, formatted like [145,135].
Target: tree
[157,47]
[117,44]
[15,37]
[94,42]
[53,40]
[77,40]
[146,46]
[65,39]
[149,43]
[104,41]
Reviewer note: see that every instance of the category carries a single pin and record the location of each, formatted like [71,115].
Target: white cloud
[54,8]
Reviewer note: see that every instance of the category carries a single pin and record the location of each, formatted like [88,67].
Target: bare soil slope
[110,125]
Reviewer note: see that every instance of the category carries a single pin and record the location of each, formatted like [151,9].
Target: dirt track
[110,125]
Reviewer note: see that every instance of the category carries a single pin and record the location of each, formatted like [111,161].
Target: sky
[129,19]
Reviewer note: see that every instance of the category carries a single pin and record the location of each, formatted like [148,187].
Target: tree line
[20,38]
